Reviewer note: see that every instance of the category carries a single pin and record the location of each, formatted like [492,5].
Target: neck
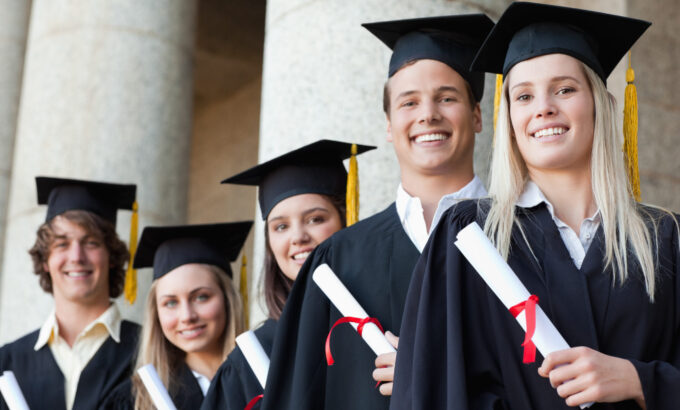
[570,193]
[431,188]
[205,363]
[74,317]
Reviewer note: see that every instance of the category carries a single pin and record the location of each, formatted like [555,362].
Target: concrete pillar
[323,77]
[13,30]
[107,95]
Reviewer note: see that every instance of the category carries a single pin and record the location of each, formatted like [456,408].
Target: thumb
[394,340]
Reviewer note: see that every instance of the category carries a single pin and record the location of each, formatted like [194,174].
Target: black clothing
[42,382]
[235,384]
[460,348]
[374,259]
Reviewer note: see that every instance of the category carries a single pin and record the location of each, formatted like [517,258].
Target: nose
[299,234]
[545,107]
[187,312]
[429,112]
[76,252]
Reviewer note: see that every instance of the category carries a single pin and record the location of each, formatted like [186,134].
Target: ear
[45,267]
[389,129]
[477,118]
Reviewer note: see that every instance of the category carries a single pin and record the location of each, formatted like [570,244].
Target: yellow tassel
[131,273]
[497,99]
[630,129]
[243,288]
[353,188]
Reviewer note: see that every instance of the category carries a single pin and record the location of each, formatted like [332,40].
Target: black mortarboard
[168,247]
[313,169]
[453,40]
[527,30]
[101,198]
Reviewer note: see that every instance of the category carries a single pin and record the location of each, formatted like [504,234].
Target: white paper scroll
[159,395]
[254,354]
[348,306]
[498,275]
[9,387]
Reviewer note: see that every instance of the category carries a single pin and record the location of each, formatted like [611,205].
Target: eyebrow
[170,295]
[552,80]
[438,90]
[308,211]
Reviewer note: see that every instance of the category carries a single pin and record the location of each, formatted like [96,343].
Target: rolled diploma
[9,387]
[254,354]
[159,395]
[498,275]
[349,307]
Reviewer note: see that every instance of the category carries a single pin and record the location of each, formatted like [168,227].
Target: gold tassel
[131,273]
[497,99]
[243,289]
[630,129]
[353,189]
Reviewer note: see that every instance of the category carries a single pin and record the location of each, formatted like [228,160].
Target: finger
[573,386]
[386,359]
[585,396]
[384,375]
[564,373]
[394,340]
[557,358]
[386,389]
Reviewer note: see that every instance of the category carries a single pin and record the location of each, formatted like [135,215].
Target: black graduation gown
[186,395]
[42,382]
[235,384]
[461,349]
[374,258]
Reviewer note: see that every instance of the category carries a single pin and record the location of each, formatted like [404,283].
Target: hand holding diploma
[159,395]
[498,275]
[338,294]
[9,387]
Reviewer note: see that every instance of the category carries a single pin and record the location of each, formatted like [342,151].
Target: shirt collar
[532,196]
[110,319]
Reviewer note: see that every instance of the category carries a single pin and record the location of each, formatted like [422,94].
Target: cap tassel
[243,289]
[630,129]
[353,189]
[131,273]
[497,99]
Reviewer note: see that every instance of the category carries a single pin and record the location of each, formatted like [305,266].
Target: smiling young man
[84,348]
[431,102]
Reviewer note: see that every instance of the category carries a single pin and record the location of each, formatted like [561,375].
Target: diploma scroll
[254,354]
[159,395]
[9,387]
[338,294]
[498,275]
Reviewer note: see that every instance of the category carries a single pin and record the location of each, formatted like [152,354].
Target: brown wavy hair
[276,285]
[94,225]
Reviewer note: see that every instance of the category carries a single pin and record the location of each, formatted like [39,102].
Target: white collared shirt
[577,245]
[203,382]
[73,359]
[410,210]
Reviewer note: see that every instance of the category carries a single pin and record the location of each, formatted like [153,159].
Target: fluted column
[13,30]
[107,95]
[323,77]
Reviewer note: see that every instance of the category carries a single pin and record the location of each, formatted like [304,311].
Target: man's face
[78,264]
[431,121]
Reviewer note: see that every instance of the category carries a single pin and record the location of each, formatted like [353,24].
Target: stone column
[107,95]
[323,77]
[13,30]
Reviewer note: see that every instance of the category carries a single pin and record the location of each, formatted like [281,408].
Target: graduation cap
[103,199]
[527,30]
[313,169]
[168,247]
[453,40]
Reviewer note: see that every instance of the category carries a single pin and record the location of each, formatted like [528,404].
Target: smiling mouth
[192,332]
[436,136]
[301,256]
[78,274]
[549,132]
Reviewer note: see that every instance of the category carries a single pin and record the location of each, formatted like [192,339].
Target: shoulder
[265,333]
[466,212]
[384,221]
[21,345]
[120,397]
[662,222]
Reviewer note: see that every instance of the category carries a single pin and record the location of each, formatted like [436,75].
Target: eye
[60,244]
[202,297]
[170,303]
[448,99]
[316,219]
[565,90]
[408,103]
[92,243]
[280,227]
[523,97]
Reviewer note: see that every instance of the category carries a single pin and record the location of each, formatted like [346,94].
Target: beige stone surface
[107,95]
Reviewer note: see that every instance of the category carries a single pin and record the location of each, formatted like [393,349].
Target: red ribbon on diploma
[254,400]
[529,306]
[360,329]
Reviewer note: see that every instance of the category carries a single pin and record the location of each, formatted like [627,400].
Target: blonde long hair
[154,348]
[623,219]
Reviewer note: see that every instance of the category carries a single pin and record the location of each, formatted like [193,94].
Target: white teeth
[549,131]
[301,255]
[77,274]
[431,137]
[190,332]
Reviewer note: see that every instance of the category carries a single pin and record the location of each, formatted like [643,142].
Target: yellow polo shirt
[73,359]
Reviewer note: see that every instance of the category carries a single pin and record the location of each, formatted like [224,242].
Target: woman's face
[191,309]
[552,113]
[296,226]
